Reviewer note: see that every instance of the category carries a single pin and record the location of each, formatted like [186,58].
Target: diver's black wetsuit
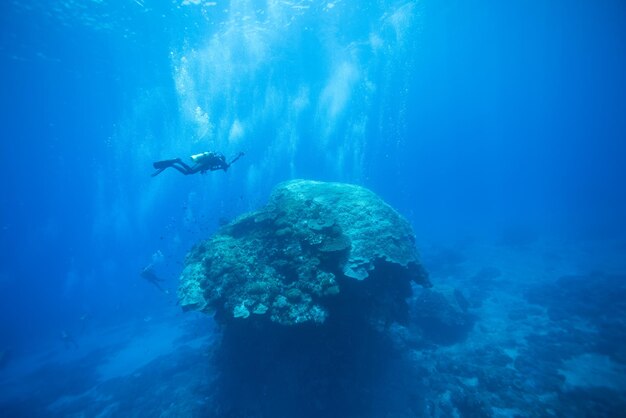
[207,161]
[149,274]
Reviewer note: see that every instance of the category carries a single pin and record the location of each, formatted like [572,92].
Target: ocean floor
[144,368]
[511,328]
[549,333]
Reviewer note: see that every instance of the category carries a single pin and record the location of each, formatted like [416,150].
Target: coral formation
[291,260]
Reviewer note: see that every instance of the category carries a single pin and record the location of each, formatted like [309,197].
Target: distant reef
[314,246]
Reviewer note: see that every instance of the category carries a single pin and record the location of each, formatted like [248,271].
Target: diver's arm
[238,156]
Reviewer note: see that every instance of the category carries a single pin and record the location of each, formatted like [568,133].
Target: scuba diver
[84,319]
[68,340]
[149,274]
[203,162]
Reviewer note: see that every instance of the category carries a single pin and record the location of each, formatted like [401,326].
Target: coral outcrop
[313,247]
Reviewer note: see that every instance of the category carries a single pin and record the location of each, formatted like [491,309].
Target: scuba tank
[200,158]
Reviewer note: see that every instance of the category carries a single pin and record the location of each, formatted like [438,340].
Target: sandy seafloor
[538,346]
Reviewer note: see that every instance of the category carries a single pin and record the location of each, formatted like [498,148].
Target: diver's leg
[196,168]
[185,169]
[181,169]
[162,165]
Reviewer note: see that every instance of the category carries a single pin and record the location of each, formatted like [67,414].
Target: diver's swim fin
[162,165]
[165,163]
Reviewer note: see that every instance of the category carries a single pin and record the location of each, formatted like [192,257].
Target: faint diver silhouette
[149,274]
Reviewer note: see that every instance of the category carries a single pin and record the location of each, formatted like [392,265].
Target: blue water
[497,129]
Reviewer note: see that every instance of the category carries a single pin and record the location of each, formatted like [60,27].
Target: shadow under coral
[349,366]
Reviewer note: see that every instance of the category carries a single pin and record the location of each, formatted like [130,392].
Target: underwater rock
[314,246]
[442,316]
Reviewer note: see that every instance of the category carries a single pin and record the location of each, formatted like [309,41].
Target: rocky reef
[441,317]
[291,262]
[306,291]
